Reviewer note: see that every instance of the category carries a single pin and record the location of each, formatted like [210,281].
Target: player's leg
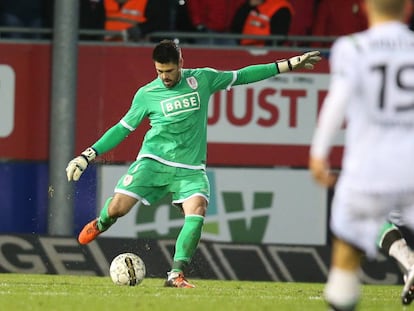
[393,244]
[355,220]
[127,194]
[407,215]
[193,196]
[187,240]
[342,289]
[115,207]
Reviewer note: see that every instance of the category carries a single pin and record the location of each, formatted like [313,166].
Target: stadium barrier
[41,254]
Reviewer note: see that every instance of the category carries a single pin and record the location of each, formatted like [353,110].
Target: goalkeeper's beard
[169,83]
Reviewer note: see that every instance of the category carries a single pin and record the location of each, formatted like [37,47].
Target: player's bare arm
[320,171]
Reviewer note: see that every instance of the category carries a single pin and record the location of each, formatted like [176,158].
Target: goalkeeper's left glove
[306,61]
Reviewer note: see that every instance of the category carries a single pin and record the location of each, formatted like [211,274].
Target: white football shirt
[372,88]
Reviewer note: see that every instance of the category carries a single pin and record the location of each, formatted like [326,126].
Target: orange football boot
[89,232]
[177,279]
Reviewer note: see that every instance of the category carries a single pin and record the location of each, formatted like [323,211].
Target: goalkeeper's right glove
[76,167]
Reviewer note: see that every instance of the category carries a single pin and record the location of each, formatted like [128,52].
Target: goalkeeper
[173,154]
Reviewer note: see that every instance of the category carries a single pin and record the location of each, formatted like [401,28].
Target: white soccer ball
[127,269]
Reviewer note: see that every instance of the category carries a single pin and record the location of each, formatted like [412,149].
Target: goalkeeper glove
[306,61]
[76,167]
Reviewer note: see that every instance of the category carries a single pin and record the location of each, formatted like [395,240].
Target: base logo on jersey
[180,104]
[192,82]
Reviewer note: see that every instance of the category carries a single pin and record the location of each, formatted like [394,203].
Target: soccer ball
[127,269]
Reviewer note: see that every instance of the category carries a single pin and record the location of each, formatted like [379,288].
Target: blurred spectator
[302,19]
[213,17]
[262,17]
[181,20]
[91,16]
[136,18]
[337,18]
[21,13]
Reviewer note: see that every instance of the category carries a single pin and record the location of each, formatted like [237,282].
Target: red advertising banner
[268,123]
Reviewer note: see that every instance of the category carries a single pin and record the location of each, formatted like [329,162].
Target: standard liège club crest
[192,82]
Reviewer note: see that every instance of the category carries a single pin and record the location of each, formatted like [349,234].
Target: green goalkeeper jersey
[178,115]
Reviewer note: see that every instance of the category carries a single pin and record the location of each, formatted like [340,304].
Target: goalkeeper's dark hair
[167,51]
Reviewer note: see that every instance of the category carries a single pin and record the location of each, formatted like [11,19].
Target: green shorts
[149,181]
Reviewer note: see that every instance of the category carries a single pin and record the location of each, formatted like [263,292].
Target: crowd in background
[134,20]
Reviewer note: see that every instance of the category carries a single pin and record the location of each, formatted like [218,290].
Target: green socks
[389,233]
[104,220]
[187,242]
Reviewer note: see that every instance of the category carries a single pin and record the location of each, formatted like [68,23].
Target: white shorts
[358,216]
[396,218]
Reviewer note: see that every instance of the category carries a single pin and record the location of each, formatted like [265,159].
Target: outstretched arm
[304,61]
[112,138]
[256,73]
[108,141]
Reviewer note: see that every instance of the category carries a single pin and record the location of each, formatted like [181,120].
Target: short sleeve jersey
[178,116]
[372,84]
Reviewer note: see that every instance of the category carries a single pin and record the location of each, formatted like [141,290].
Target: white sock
[402,253]
[342,289]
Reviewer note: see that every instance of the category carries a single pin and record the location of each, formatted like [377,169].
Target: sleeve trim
[127,126]
[232,81]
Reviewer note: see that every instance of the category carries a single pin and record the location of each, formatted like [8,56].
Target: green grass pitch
[72,293]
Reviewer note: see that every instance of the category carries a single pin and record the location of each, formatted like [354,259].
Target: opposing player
[173,154]
[371,88]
